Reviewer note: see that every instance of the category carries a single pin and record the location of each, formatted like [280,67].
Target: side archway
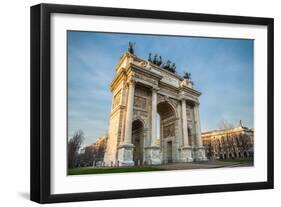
[138,141]
[167,128]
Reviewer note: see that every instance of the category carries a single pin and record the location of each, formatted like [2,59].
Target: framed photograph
[132,103]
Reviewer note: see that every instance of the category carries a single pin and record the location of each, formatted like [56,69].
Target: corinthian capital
[132,81]
[196,103]
[183,98]
[155,88]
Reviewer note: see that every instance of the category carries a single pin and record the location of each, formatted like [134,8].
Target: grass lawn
[238,160]
[83,171]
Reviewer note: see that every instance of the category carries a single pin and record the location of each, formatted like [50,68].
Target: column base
[125,155]
[200,154]
[186,154]
[153,155]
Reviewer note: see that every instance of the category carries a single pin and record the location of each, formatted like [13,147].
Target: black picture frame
[41,99]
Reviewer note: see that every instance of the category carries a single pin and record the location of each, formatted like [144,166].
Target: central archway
[138,140]
[167,128]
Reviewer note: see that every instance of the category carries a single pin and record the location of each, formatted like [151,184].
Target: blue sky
[222,69]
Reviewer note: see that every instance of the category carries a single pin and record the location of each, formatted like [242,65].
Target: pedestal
[153,155]
[125,155]
[200,154]
[186,154]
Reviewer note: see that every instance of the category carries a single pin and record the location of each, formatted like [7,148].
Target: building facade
[231,143]
[140,90]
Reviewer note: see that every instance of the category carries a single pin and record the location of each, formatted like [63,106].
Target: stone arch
[168,101]
[141,93]
[189,131]
[168,130]
[239,154]
[167,114]
[139,118]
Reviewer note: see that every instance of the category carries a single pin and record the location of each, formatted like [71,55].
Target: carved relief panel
[169,130]
[189,113]
[116,99]
[145,78]
[142,99]
[140,102]
[141,91]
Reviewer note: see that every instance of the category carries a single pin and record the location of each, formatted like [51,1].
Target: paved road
[194,165]
[202,165]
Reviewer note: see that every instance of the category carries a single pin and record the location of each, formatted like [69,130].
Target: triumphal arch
[141,90]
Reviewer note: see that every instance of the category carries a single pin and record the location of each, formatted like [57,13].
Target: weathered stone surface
[141,90]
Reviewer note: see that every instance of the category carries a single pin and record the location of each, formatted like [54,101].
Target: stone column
[153,151]
[180,137]
[154,117]
[197,126]
[186,150]
[129,113]
[200,153]
[123,93]
[123,110]
[125,150]
[184,123]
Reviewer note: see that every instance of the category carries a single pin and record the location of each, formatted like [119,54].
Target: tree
[100,150]
[229,143]
[223,124]
[89,155]
[210,149]
[244,142]
[73,147]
